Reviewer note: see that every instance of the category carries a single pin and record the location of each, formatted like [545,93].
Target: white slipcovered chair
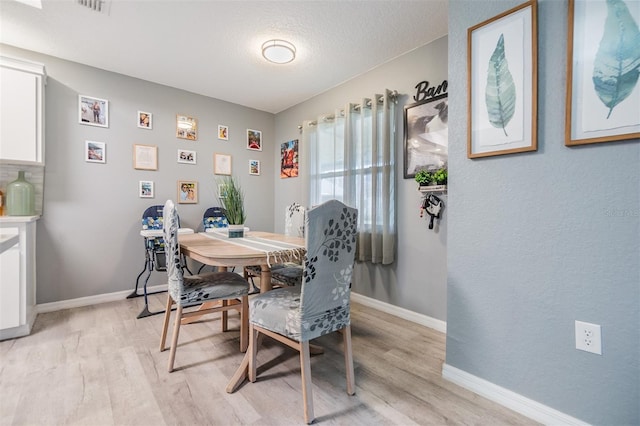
[190,291]
[288,273]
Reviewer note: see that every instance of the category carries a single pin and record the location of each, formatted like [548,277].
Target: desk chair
[289,273]
[154,252]
[320,305]
[228,287]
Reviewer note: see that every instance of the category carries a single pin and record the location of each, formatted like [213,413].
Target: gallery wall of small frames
[95,112]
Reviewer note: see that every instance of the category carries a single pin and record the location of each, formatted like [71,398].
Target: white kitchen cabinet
[22,112]
[17,275]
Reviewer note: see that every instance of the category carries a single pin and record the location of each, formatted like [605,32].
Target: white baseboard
[92,300]
[516,402]
[399,312]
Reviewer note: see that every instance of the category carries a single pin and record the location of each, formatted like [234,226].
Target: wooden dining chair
[190,291]
[320,305]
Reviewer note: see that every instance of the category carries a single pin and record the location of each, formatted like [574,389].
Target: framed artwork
[254,140]
[603,91]
[145,120]
[93,111]
[221,164]
[426,135]
[187,192]
[254,167]
[145,157]
[186,157]
[95,152]
[223,132]
[502,83]
[145,189]
[289,159]
[186,127]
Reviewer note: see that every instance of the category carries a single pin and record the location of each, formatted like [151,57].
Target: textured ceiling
[213,47]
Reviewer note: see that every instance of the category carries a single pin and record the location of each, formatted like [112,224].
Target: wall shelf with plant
[432,181]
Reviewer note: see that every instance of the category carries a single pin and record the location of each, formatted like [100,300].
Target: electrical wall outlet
[588,337]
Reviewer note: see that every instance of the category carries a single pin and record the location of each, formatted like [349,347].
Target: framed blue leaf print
[603,70]
[502,83]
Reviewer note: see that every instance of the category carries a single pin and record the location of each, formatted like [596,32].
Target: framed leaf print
[603,91]
[502,83]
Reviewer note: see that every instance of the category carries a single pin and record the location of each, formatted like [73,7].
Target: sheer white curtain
[351,157]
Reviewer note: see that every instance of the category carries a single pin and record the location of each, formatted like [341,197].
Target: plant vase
[236,231]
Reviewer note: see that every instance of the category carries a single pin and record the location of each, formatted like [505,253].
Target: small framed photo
[503,83]
[254,140]
[93,111]
[254,167]
[186,157]
[145,157]
[187,192]
[186,127]
[95,152]
[221,164]
[145,189]
[145,120]
[223,132]
[603,94]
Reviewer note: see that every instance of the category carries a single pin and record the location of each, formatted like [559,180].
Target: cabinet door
[10,288]
[19,127]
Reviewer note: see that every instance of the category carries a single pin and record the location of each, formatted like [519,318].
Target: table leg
[242,373]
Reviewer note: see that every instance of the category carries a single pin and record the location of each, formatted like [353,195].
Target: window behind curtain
[352,159]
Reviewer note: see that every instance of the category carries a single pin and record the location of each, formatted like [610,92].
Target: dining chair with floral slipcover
[192,291]
[288,273]
[321,304]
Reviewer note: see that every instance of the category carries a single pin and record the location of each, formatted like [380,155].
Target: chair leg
[165,325]
[244,324]
[174,339]
[224,319]
[305,369]
[253,352]
[348,360]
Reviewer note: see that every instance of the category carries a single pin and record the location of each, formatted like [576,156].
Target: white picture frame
[145,189]
[95,152]
[93,111]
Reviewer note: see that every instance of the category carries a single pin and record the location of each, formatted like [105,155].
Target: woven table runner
[276,251]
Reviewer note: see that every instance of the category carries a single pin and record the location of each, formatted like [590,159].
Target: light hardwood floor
[99,365]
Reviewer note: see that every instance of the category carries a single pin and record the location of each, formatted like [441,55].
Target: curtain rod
[393,96]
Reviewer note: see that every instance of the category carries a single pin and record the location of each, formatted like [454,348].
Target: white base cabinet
[17,275]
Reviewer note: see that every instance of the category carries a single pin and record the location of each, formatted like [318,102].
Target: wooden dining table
[256,248]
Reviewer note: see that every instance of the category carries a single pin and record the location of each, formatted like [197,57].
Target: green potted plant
[424,177]
[232,199]
[440,176]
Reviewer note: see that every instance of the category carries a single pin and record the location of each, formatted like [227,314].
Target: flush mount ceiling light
[278,51]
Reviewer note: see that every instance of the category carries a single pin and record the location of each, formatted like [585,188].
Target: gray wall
[417,280]
[539,240]
[88,238]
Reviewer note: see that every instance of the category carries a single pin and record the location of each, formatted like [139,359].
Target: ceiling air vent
[96,5]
